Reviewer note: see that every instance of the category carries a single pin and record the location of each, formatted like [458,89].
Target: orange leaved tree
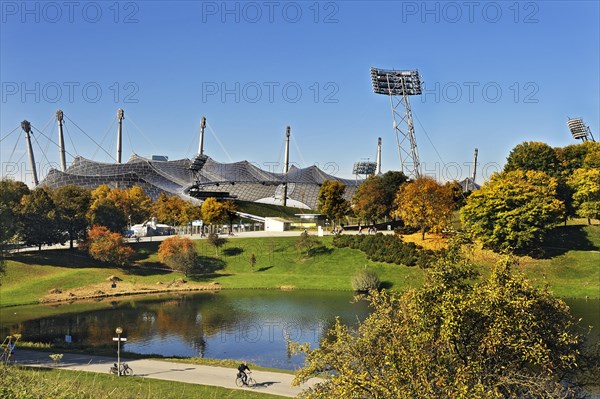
[105,246]
[179,253]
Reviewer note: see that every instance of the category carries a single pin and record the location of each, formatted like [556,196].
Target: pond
[249,325]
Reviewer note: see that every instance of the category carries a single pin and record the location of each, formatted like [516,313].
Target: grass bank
[569,266]
[25,383]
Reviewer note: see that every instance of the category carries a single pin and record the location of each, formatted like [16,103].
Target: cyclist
[242,368]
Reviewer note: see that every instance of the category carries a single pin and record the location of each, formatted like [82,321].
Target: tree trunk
[423,234]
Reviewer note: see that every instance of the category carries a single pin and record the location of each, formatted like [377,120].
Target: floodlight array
[364,168]
[396,83]
[578,129]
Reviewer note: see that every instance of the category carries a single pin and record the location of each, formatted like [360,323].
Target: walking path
[266,381]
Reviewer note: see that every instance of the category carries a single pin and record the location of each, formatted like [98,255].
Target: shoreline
[210,287]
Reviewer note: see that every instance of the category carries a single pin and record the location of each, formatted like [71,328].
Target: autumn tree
[174,210]
[179,253]
[133,202]
[533,155]
[213,211]
[38,219]
[424,204]
[585,184]
[368,201]
[72,203]
[107,246]
[331,201]
[513,211]
[459,336]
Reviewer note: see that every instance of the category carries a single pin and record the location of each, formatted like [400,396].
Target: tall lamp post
[119,331]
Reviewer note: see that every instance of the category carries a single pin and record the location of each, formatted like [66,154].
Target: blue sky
[496,74]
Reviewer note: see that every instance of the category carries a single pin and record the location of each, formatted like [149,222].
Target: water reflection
[245,325]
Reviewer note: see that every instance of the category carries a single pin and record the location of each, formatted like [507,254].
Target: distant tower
[61,140]
[26,126]
[378,162]
[120,116]
[286,165]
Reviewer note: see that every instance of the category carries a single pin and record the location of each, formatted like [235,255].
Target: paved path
[266,382]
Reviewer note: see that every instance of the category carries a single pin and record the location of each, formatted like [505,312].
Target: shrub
[179,253]
[365,280]
[385,248]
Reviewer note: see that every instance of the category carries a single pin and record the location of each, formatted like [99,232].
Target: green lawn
[280,264]
[570,267]
[24,383]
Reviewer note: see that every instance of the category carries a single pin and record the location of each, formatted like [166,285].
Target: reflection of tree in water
[198,319]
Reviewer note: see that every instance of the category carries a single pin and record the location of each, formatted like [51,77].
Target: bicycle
[124,370]
[248,381]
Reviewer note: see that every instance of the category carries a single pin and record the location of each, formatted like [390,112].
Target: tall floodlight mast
[398,85]
[26,126]
[120,116]
[61,140]
[378,161]
[580,130]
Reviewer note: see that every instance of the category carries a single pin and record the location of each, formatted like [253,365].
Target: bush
[385,248]
[365,280]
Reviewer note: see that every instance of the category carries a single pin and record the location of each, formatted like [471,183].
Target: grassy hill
[570,267]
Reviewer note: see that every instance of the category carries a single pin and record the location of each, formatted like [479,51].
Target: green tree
[11,193]
[72,203]
[424,204]
[574,156]
[38,220]
[331,201]
[104,212]
[533,155]
[307,242]
[214,240]
[107,246]
[459,336]
[585,184]
[230,212]
[391,181]
[179,253]
[513,211]
[369,200]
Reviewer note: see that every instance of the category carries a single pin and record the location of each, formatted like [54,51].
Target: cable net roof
[244,180]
